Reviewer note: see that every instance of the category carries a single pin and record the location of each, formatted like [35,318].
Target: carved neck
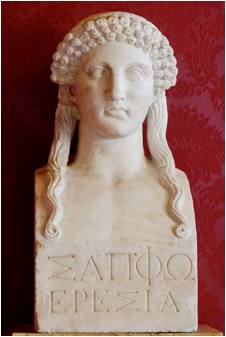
[111,160]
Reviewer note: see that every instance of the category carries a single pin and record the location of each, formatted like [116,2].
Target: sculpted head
[114,57]
[126,29]
[113,70]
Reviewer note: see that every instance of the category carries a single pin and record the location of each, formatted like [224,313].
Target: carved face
[114,89]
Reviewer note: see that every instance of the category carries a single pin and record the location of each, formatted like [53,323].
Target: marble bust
[115,230]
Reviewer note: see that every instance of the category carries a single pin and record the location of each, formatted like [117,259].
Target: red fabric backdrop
[30,34]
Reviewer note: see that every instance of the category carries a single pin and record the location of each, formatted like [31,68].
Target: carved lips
[115,111]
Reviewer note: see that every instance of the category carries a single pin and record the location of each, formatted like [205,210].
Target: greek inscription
[57,298]
[147,300]
[153,265]
[130,265]
[130,300]
[147,266]
[91,264]
[95,300]
[67,268]
[110,266]
[169,302]
[80,295]
[128,256]
[178,267]
[68,302]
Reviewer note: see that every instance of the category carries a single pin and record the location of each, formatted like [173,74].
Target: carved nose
[116,90]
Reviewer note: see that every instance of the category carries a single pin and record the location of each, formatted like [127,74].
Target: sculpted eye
[134,74]
[98,72]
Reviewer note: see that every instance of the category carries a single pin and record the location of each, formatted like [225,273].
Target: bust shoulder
[184,183]
[182,178]
[180,175]
[41,170]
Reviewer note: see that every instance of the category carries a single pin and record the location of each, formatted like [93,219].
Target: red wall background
[30,34]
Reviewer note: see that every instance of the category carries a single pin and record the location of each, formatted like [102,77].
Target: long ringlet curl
[65,123]
[157,119]
[90,33]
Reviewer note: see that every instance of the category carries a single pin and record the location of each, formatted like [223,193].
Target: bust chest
[116,212]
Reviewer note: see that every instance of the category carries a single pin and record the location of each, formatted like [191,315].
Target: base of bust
[203,330]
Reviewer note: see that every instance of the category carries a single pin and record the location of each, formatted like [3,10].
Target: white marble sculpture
[115,232]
